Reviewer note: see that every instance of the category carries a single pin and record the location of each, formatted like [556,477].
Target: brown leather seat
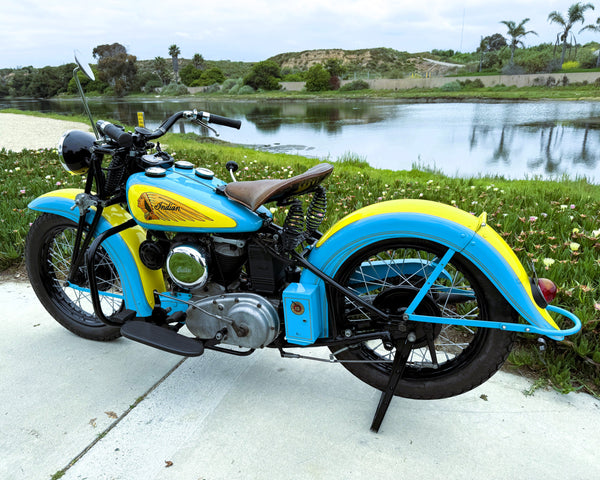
[255,193]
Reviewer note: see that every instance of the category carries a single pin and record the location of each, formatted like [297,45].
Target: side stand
[402,354]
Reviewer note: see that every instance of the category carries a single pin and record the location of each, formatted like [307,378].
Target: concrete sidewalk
[259,417]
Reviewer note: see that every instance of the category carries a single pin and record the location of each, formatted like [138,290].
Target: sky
[42,32]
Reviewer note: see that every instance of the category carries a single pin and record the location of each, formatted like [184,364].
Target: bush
[229,84]
[175,89]
[451,87]
[317,78]
[215,87]
[294,77]
[587,58]
[477,83]
[265,75]
[513,70]
[245,90]
[355,85]
[334,83]
[570,65]
[151,85]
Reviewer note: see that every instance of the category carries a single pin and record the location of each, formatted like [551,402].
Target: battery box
[302,306]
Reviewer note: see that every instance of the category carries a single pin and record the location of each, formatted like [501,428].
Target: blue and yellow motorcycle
[416,298]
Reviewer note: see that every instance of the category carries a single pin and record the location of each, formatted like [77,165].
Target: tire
[466,356]
[48,251]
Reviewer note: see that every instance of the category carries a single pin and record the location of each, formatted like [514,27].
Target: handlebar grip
[123,138]
[219,120]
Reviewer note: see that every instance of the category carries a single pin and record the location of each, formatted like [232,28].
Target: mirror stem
[84,100]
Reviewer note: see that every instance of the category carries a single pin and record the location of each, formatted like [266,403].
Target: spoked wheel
[445,360]
[48,250]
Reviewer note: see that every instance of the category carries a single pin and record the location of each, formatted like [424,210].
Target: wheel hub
[396,300]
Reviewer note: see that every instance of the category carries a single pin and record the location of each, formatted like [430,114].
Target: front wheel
[445,360]
[48,251]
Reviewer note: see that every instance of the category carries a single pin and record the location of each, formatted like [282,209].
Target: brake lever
[196,121]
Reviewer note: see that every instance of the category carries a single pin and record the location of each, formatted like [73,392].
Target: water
[515,140]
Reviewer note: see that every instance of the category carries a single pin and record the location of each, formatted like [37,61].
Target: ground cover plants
[553,224]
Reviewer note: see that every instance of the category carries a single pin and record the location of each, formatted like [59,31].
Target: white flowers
[548,262]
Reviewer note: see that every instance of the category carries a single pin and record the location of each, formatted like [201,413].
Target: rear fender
[138,281]
[439,223]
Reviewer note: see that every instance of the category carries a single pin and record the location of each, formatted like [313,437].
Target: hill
[376,61]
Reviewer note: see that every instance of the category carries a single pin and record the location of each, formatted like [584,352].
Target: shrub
[152,85]
[570,65]
[477,83]
[175,89]
[265,75]
[294,77]
[212,76]
[587,58]
[245,90]
[215,87]
[513,70]
[229,84]
[451,87]
[355,85]
[317,78]
[334,83]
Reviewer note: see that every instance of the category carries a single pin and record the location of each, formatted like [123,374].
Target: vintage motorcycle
[416,298]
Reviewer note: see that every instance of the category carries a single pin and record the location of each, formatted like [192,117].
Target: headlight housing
[74,150]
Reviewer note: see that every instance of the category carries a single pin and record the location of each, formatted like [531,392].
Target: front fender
[138,281]
[439,223]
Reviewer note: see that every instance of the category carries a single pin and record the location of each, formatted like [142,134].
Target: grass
[554,224]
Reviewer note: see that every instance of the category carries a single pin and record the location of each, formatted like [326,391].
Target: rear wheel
[48,250]
[445,360]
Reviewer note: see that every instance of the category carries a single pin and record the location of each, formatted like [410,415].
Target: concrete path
[260,417]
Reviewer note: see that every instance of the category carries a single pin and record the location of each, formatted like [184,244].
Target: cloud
[36,32]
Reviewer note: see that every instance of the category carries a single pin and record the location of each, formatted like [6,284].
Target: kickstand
[400,359]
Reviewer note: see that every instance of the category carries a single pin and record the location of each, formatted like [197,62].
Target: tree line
[119,73]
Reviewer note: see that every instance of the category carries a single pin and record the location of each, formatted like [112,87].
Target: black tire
[48,257]
[466,356]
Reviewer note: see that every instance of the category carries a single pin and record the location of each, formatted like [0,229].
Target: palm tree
[174,52]
[516,34]
[594,28]
[574,14]
[198,61]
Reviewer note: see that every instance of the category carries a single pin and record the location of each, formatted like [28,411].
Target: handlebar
[219,120]
[116,133]
[126,139]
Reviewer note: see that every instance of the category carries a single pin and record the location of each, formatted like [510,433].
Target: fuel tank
[183,198]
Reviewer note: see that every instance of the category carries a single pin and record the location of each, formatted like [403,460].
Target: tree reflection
[560,145]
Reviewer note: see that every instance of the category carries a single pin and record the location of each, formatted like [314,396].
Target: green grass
[554,224]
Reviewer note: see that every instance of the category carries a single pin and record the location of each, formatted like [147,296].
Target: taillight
[548,289]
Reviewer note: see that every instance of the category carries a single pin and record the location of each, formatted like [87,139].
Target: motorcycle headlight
[74,150]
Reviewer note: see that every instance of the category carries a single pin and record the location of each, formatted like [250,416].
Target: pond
[515,140]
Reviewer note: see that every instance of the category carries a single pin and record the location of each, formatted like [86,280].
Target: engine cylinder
[187,265]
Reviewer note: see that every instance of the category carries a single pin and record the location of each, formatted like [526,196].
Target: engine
[207,267]
[249,319]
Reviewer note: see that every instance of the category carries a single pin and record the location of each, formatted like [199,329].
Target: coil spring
[315,214]
[293,226]
[114,175]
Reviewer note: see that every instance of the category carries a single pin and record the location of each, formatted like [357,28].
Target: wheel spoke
[411,267]
[58,264]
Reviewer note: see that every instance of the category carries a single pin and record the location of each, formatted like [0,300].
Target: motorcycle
[416,298]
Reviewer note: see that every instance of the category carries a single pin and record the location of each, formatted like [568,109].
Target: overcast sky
[45,32]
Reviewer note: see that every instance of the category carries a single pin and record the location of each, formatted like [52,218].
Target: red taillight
[548,289]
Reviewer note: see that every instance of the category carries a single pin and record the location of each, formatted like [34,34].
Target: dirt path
[18,132]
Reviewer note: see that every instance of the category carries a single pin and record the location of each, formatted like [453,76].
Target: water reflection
[550,147]
[515,140]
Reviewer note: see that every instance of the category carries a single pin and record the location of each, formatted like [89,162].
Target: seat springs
[293,226]
[317,209]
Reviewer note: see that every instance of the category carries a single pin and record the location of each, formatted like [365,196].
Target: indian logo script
[157,206]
